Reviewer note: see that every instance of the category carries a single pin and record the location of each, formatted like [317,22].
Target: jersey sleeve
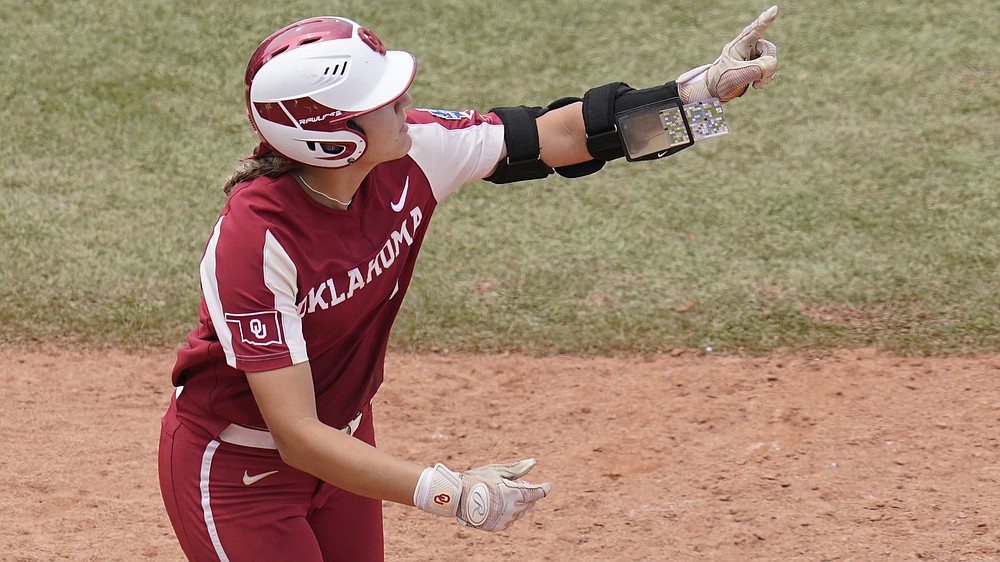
[454,147]
[249,283]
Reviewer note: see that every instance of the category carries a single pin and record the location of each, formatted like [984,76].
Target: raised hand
[746,60]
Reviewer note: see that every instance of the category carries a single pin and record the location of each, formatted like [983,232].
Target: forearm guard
[605,105]
[602,108]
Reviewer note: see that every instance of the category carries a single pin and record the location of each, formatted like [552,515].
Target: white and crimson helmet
[306,81]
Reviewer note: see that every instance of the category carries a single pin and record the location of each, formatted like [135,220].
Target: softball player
[267,450]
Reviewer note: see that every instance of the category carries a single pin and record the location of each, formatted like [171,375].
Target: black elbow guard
[520,134]
[523,160]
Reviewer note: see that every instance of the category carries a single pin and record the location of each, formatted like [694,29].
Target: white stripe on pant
[206,502]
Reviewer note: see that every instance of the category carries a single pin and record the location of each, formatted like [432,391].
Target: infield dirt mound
[856,455]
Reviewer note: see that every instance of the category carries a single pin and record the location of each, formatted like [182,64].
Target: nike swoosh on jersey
[397,207]
[249,480]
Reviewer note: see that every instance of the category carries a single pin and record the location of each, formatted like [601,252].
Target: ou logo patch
[257,328]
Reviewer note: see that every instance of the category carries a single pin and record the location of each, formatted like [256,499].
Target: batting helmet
[307,81]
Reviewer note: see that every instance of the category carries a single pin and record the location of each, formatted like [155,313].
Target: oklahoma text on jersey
[355,279]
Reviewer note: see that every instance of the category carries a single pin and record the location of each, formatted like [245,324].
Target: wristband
[438,491]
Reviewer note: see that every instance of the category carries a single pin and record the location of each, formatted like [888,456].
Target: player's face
[386,131]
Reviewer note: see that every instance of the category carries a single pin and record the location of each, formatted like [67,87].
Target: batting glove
[746,60]
[490,498]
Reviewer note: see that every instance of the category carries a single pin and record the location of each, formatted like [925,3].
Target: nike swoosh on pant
[248,480]
[397,207]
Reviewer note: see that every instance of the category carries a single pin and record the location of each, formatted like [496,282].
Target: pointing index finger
[743,47]
[760,25]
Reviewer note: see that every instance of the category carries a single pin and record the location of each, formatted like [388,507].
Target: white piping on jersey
[280,276]
[210,287]
[206,499]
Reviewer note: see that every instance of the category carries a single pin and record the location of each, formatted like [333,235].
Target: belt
[260,439]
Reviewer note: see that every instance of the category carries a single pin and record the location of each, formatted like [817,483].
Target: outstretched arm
[562,136]
[563,131]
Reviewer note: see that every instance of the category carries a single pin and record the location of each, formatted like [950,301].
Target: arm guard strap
[520,134]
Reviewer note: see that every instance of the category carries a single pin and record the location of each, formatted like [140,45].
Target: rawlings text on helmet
[321,118]
[308,113]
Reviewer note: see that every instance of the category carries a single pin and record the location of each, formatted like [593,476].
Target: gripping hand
[747,59]
[490,498]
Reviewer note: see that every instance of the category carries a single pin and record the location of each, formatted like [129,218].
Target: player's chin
[406,143]
[400,151]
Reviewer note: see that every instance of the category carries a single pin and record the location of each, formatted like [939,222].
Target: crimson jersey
[287,280]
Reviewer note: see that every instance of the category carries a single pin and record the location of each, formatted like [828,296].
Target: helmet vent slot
[338,69]
[328,148]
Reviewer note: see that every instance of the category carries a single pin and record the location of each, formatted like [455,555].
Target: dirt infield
[856,455]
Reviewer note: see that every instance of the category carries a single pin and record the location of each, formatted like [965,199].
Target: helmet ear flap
[324,148]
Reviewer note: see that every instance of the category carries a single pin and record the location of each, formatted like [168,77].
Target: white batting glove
[746,60]
[489,498]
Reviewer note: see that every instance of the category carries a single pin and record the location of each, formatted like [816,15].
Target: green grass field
[854,204]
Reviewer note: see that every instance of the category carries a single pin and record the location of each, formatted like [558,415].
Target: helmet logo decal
[306,113]
[370,39]
[320,118]
[311,115]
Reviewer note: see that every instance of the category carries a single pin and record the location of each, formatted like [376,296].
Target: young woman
[268,448]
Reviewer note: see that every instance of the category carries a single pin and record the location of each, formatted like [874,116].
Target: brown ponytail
[270,164]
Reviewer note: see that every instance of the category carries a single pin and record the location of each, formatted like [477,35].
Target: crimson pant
[239,503]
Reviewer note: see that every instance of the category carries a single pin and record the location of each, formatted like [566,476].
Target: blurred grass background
[854,204]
